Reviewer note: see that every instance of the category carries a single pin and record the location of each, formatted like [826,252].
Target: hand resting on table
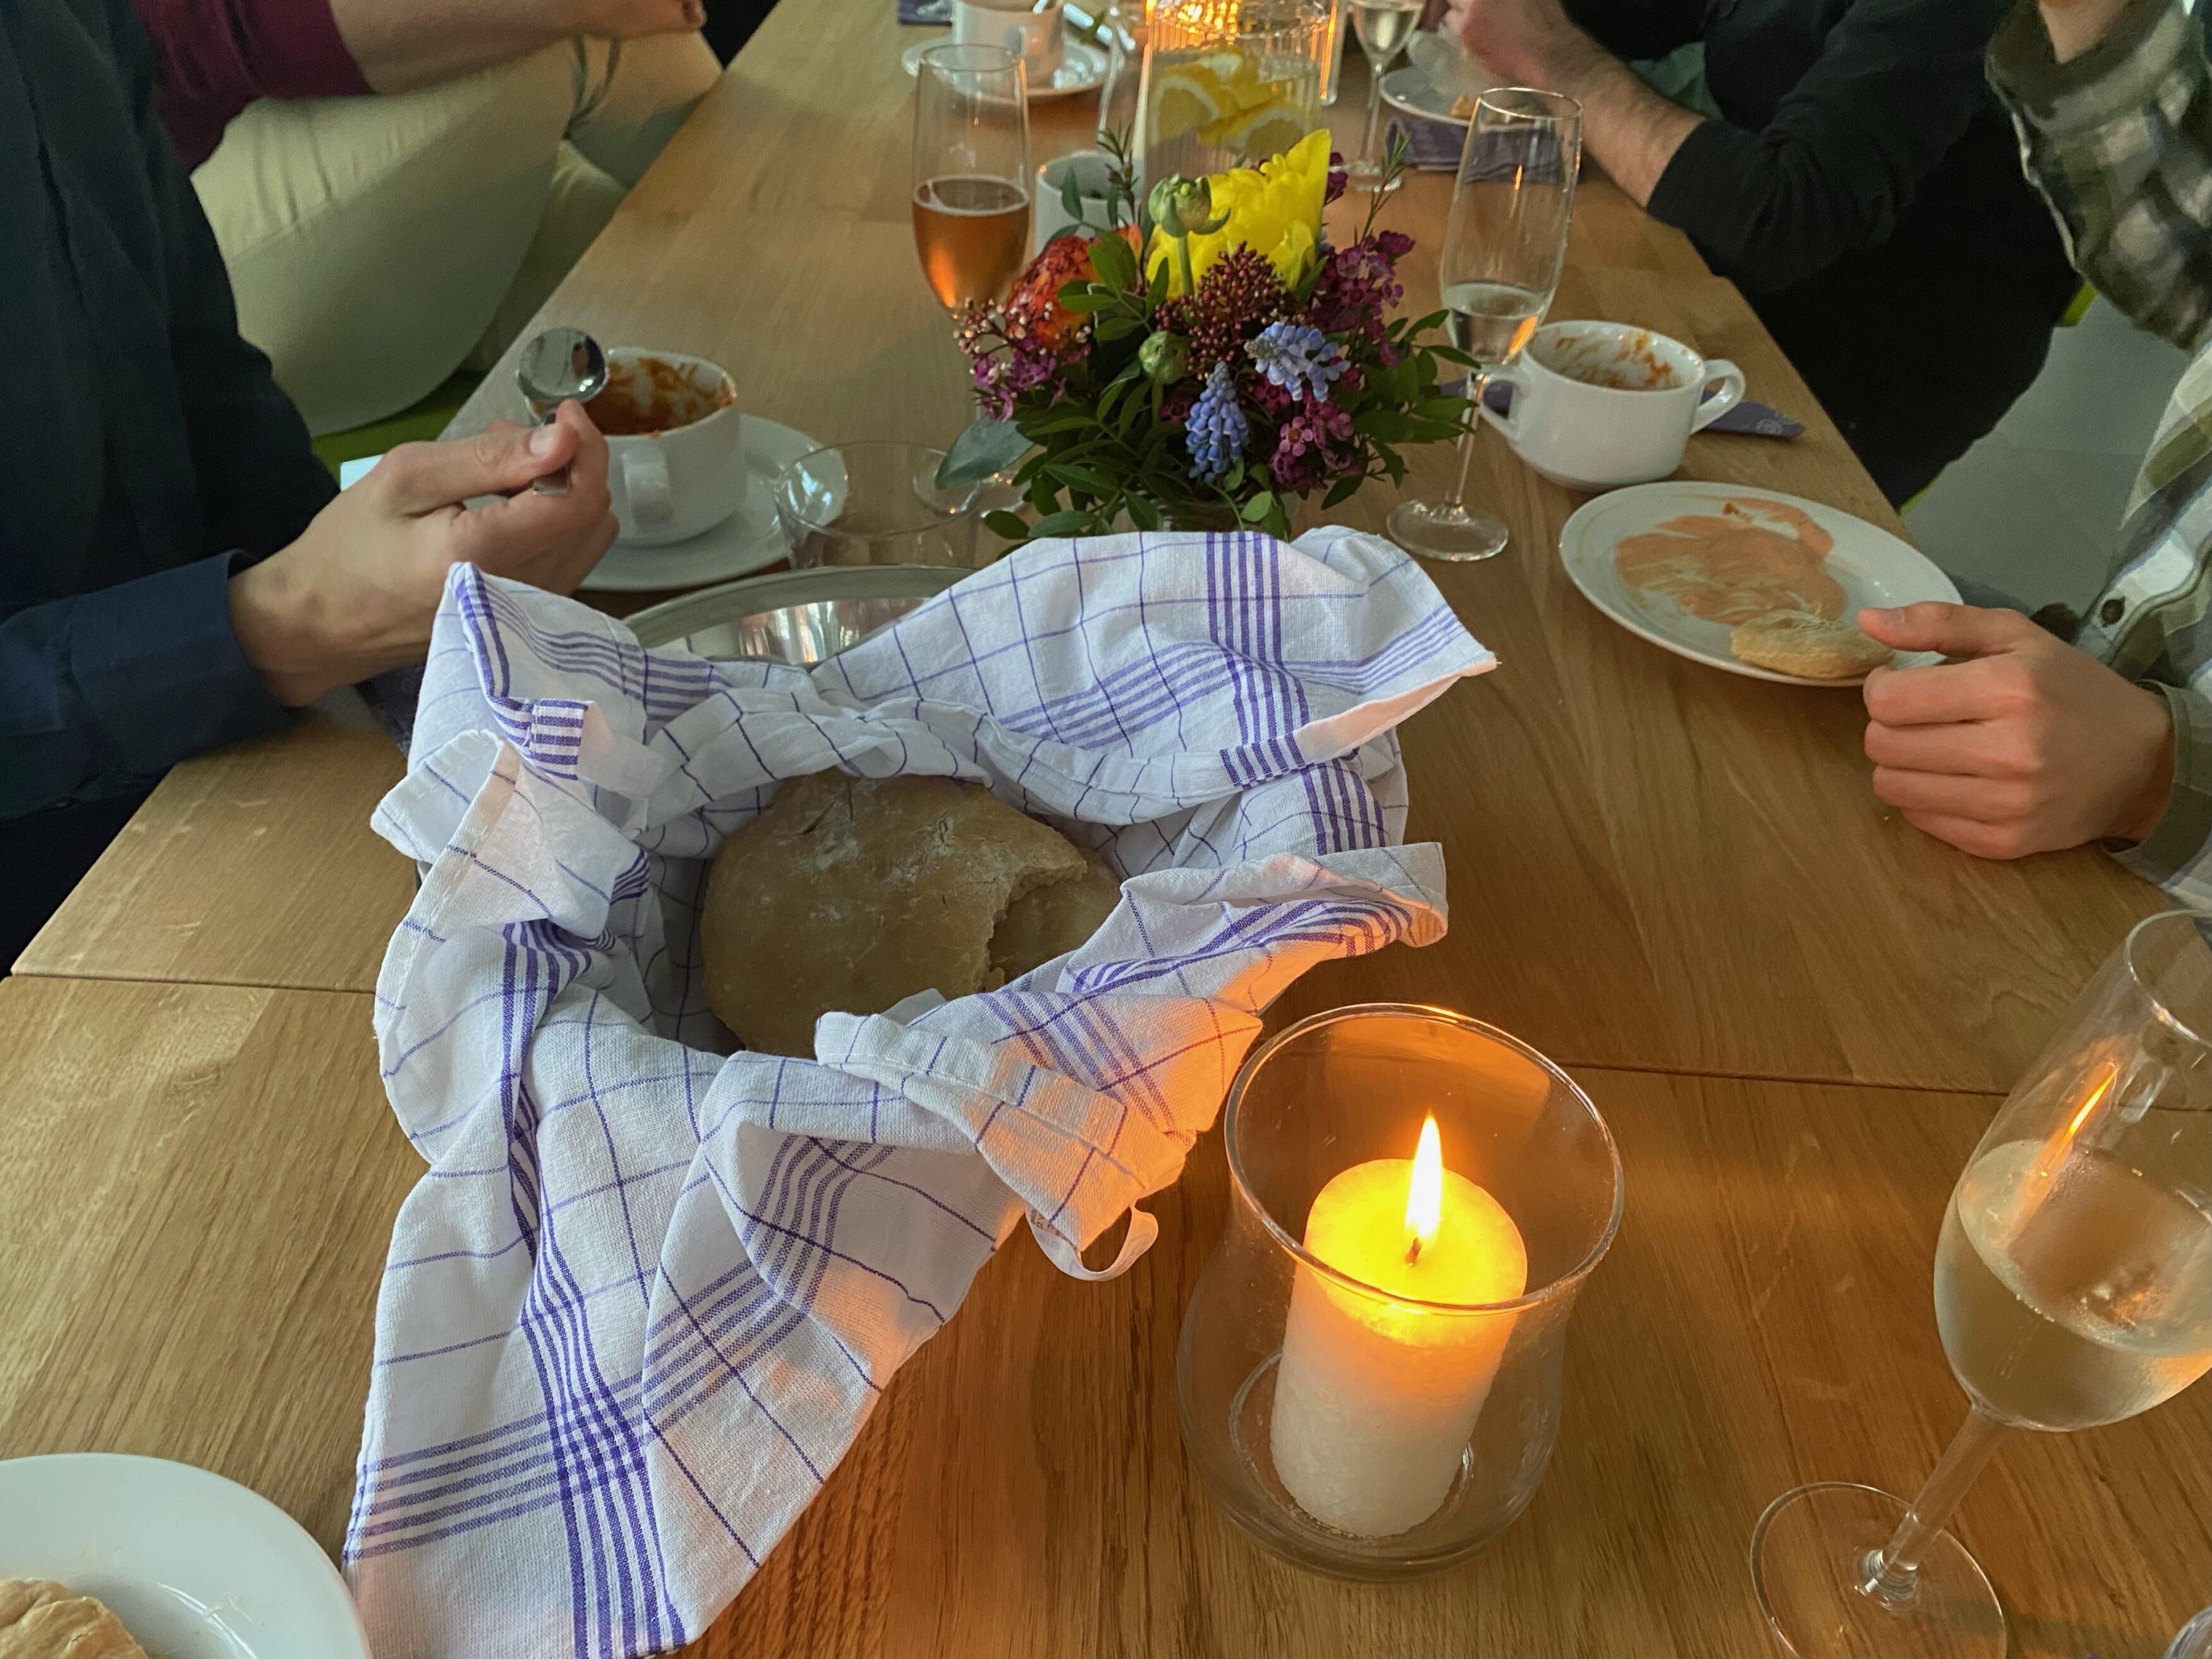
[2023,746]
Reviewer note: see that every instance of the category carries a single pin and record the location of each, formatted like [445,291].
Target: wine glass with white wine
[1384,28]
[971,172]
[2072,1288]
[1503,247]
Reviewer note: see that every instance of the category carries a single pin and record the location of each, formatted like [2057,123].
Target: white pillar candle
[1375,1400]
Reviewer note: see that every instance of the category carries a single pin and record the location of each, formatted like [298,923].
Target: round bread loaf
[852,894]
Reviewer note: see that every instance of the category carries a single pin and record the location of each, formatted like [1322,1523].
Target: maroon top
[218,55]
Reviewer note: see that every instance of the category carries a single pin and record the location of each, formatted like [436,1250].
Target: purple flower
[1314,445]
[1356,286]
[1339,178]
[1299,358]
[1216,431]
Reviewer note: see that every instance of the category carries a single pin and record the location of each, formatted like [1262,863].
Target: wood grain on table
[219,1174]
[200,1184]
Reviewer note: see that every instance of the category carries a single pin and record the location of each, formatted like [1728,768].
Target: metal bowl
[800,616]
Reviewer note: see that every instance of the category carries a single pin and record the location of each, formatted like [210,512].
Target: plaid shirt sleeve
[2119,142]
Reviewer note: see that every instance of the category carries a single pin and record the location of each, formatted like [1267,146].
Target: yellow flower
[1274,210]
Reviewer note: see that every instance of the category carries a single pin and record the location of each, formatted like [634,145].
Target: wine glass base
[1437,530]
[1368,176]
[1812,1551]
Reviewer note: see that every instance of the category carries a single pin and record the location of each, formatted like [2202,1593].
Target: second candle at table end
[1377,1397]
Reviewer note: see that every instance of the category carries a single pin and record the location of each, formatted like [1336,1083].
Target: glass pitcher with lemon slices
[1228,83]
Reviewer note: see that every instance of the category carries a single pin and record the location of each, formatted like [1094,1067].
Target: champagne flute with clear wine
[971,172]
[1503,247]
[2072,1288]
[1384,28]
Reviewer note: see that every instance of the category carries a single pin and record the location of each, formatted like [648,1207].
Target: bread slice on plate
[42,1620]
[1811,648]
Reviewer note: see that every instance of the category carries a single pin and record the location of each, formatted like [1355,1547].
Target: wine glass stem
[1368,160]
[1891,1575]
[1477,378]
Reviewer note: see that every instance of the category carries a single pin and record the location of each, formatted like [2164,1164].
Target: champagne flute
[1384,28]
[1503,246]
[971,172]
[2073,1287]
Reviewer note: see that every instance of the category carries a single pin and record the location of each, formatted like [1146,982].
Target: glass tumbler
[875,503]
[1229,83]
[1371,1394]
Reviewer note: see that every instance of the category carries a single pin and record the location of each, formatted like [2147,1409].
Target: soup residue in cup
[645,395]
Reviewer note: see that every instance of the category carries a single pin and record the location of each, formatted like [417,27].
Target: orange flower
[1063,260]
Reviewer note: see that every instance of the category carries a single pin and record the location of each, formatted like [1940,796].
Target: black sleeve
[1894,88]
[1639,28]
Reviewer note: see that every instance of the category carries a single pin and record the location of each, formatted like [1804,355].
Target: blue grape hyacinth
[1299,358]
[1216,430]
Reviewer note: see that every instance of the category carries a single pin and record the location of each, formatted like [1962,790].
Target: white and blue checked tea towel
[645,1296]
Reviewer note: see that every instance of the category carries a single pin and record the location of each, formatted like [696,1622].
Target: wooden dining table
[1797,1012]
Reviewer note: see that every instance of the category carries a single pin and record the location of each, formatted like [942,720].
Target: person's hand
[629,20]
[356,593]
[2026,745]
[1530,42]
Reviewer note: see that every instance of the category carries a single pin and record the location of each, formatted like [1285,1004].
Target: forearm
[1628,129]
[2075,25]
[403,44]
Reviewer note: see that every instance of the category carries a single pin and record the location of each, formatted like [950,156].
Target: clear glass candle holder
[1351,1426]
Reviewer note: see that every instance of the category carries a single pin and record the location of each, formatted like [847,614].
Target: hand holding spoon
[559,364]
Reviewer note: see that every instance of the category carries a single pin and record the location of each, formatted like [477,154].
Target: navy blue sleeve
[1836,166]
[101,694]
[110,673]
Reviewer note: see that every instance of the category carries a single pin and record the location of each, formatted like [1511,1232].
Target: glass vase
[1352,1428]
[1228,83]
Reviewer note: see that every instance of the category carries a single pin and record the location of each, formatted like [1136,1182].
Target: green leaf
[986,447]
[1142,512]
[1391,425]
[1012,526]
[1156,293]
[1086,297]
[1061,524]
[1071,196]
[1258,507]
[1341,491]
[1117,328]
[1081,476]
[1434,319]
[1115,265]
[1451,354]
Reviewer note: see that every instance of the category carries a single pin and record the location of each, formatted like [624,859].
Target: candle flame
[1424,1192]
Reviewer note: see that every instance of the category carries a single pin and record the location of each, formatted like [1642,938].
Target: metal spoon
[559,364]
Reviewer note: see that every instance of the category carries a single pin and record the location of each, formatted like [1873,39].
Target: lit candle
[1375,1400]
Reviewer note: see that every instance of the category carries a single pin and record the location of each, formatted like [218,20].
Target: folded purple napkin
[1754,420]
[924,11]
[1431,146]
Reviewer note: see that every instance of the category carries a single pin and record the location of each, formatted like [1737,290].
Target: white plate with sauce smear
[1871,566]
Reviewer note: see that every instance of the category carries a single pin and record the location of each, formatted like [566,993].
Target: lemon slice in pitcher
[1255,137]
[1185,102]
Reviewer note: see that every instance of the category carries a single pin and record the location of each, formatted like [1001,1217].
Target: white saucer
[1874,568]
[749,540]
[1410,91]
[1082,68]
[196,1566]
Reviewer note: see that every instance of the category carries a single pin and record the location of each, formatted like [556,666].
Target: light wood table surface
[1652,864]
[224,1173]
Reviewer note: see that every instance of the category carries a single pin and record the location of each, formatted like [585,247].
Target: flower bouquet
[1203,360]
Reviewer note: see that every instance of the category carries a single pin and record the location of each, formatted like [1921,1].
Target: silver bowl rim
[732,602]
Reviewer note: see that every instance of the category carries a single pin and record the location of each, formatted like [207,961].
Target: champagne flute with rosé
[2072,1288]
[971,172]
